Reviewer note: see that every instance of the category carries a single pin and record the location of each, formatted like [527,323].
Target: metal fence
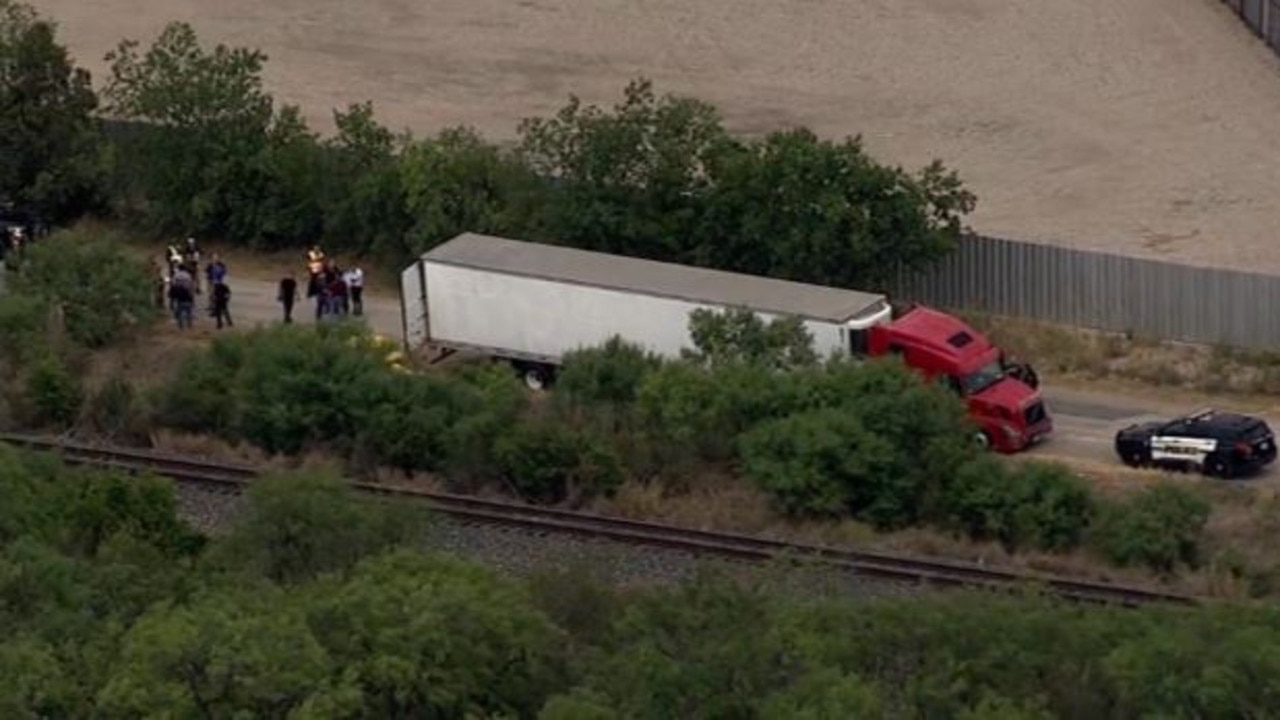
[1260,16]
[1149,298]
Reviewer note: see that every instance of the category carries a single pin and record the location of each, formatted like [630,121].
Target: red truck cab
[1009,413]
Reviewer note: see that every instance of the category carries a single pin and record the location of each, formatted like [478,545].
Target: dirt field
[1151,127]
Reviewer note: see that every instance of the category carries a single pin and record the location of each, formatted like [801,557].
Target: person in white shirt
[355,289]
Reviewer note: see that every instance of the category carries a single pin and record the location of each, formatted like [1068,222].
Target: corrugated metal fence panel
[1104,291]
[1234,5]
[1273,24]
[1252,11]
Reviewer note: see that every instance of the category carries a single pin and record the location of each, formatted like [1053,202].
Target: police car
[1219,444]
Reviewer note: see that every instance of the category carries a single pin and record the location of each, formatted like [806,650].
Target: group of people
[337,292]
[179,284]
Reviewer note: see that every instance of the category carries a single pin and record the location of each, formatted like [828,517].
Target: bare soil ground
[1146,126]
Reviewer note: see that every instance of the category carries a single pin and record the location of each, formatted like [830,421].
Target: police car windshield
[982,378]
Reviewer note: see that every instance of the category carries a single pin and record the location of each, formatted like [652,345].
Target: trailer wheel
[536,377]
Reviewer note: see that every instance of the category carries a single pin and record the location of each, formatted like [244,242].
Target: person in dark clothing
[222,304]
[288,295]
[338,296]
[182,298]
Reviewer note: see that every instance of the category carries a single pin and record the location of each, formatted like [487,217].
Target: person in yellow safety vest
[315,265]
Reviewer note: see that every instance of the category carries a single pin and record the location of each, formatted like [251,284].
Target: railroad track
[468,509]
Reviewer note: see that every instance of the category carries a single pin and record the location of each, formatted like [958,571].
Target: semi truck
[529,304]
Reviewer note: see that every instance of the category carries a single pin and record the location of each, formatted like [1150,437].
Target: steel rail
[471,509]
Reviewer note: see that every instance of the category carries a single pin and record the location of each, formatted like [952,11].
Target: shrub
[53,393]
[116,410]
[299,526]
[697,412]
[23,325]
[1040,505]
[1050,506]
[926,423]
[551,462]
[825,462]
[608,375]
[407,421]
[199,397]
[1159,528]
[101,291]
[497,404]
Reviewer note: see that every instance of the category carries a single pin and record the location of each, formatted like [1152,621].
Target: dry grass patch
[1081,354]
[726,504]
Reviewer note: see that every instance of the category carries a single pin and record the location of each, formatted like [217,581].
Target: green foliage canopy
[54,159]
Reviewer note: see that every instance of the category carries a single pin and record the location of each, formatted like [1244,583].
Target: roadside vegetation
[109,601]
[318,603]
[1075,353]
[823,450]
[206,150]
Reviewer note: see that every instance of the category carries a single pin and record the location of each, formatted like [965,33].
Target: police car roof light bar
[1202,414]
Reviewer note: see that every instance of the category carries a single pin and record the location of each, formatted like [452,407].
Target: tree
[630,181]
[709,649]
[33,681]
[741,335]
[455,183]
[793,206]
[420,636]
[216,157]
[230,654]
[49,139]
[825,695]
[367,210]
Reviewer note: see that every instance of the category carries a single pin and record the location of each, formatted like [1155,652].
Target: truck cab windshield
[982,378]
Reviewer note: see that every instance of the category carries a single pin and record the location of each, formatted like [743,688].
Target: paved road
[1085,422]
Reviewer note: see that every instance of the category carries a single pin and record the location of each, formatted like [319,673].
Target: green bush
[548,461]
[697,412]
[1033,505]
[53,393]
[199,398]
[1159,528]
[742,336]
[609,375]
[24,325]
[102,292]
[414,422]
[300,526]
[825,462]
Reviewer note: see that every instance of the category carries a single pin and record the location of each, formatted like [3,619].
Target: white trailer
[531,303]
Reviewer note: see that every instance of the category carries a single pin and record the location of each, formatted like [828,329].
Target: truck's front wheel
[982,440]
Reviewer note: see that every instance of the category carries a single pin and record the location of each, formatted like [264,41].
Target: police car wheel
[1217,468]
[1134,459]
